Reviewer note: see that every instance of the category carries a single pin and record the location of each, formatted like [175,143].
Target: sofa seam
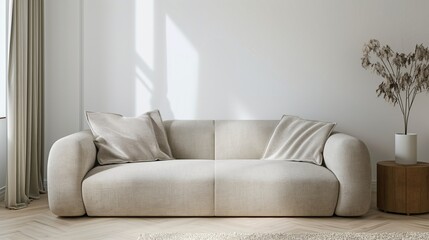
[214,140]
[214,168]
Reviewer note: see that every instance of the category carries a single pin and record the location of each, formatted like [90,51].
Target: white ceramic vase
[406,148]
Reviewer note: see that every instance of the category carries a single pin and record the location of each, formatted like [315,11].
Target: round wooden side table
[403,188]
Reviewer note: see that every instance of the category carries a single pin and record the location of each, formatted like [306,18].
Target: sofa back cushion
[191,139]
[242,139]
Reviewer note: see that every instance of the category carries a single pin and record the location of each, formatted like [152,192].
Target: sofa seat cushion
[161,188]
[274,188]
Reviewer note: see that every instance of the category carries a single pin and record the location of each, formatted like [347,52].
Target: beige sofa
[217,173]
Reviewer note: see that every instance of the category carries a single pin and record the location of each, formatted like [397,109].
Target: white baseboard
[2,192]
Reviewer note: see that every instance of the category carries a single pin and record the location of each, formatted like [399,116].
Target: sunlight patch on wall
[143,92]
[182,72]
[144,46]
[144,30]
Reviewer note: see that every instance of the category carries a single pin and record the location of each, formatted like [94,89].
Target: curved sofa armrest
[348,158]
[70,158]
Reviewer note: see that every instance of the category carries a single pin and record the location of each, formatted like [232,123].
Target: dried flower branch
[405,75]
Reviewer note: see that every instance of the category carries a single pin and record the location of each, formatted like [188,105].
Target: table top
[394,164]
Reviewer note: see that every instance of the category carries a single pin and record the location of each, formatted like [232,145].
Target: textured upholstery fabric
[243,139]
[125,139]
[191,139]
[160,134]
[298,139]
[273,188]
[348,158]
[196,187]
[69,160]
[162,188]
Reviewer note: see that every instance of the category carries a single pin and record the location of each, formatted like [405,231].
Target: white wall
[3,137]
[62,69]
[2,156]
[223,59]
[3,48]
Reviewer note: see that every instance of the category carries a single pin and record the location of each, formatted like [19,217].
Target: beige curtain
[25,104]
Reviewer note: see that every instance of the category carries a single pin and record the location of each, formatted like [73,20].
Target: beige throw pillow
[127,139]
[160,134]
[298,139]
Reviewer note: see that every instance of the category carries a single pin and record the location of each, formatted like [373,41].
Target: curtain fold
[25,169]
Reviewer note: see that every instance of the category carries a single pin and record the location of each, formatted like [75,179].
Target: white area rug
[285,236]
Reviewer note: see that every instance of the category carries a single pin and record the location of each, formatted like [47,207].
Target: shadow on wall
[198,71]
[136,59]
[141,55]
[167,63]
[210,60]
[151,86]
[200,60]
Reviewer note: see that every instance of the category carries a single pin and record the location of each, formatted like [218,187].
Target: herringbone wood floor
[37,222]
